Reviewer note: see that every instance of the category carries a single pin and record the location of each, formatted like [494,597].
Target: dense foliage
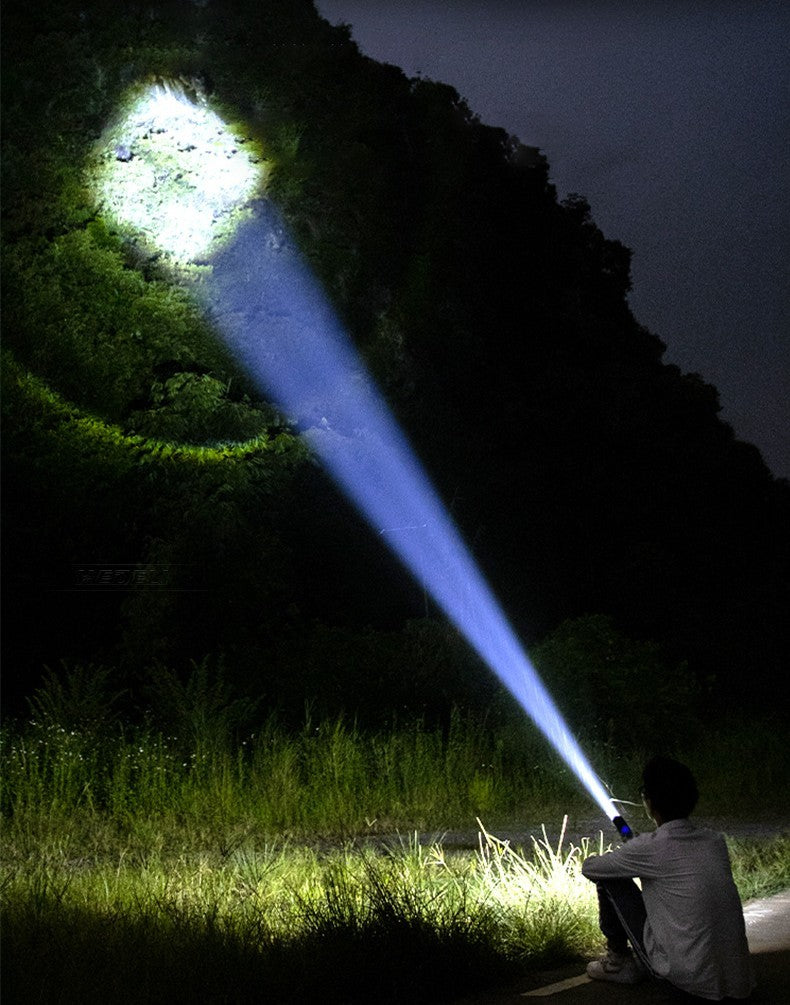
[587,474]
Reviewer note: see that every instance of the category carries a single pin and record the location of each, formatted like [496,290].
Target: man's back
[694,935]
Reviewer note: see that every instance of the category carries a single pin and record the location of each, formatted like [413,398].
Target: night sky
[672,117]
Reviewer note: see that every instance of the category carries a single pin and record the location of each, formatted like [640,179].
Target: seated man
[686,925]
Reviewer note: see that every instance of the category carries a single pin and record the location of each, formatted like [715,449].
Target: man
[686,925]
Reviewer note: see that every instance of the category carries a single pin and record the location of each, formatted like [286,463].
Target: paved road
[768,930]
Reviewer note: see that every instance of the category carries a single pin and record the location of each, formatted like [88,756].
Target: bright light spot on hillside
[172,171]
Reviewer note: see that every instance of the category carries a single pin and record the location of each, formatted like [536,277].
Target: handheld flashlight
[623,829]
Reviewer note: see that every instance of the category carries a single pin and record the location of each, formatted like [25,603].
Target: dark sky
[673,118]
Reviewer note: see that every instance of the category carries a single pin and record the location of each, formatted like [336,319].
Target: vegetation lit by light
[172,171]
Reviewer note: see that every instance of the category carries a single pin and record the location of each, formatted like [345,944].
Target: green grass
[140,866]
[761,866]
[327,779]
[355,923]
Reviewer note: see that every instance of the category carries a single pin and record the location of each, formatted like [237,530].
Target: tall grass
[358,923]
[330,779]
[144,866]
[353,924]
[327,779]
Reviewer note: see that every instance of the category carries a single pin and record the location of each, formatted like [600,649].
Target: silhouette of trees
[587,474]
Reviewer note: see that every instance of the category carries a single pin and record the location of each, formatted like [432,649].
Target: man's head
[669,789]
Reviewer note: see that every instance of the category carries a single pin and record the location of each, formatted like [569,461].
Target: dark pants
[622,916]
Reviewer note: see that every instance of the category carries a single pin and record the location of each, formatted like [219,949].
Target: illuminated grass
[355,923]
[552,907]
[136,867]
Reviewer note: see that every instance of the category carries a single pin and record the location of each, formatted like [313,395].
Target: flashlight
[623,829]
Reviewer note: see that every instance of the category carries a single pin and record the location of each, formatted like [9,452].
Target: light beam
[278,322]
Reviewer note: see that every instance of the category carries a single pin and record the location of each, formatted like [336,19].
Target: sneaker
[617,967]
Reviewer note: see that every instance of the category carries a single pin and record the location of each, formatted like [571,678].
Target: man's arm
[636,858]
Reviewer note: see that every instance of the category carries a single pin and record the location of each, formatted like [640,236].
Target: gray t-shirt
[694,935]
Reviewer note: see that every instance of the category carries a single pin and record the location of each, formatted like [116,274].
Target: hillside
[587,475]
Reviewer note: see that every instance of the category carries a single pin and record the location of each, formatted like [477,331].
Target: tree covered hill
[586,474]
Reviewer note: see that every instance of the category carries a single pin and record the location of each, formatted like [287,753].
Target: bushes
[194,407]
[200,751]
[615,690]
[100,351]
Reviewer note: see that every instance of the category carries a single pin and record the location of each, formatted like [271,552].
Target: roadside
[768,931]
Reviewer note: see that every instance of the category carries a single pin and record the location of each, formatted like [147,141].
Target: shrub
[614,690]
